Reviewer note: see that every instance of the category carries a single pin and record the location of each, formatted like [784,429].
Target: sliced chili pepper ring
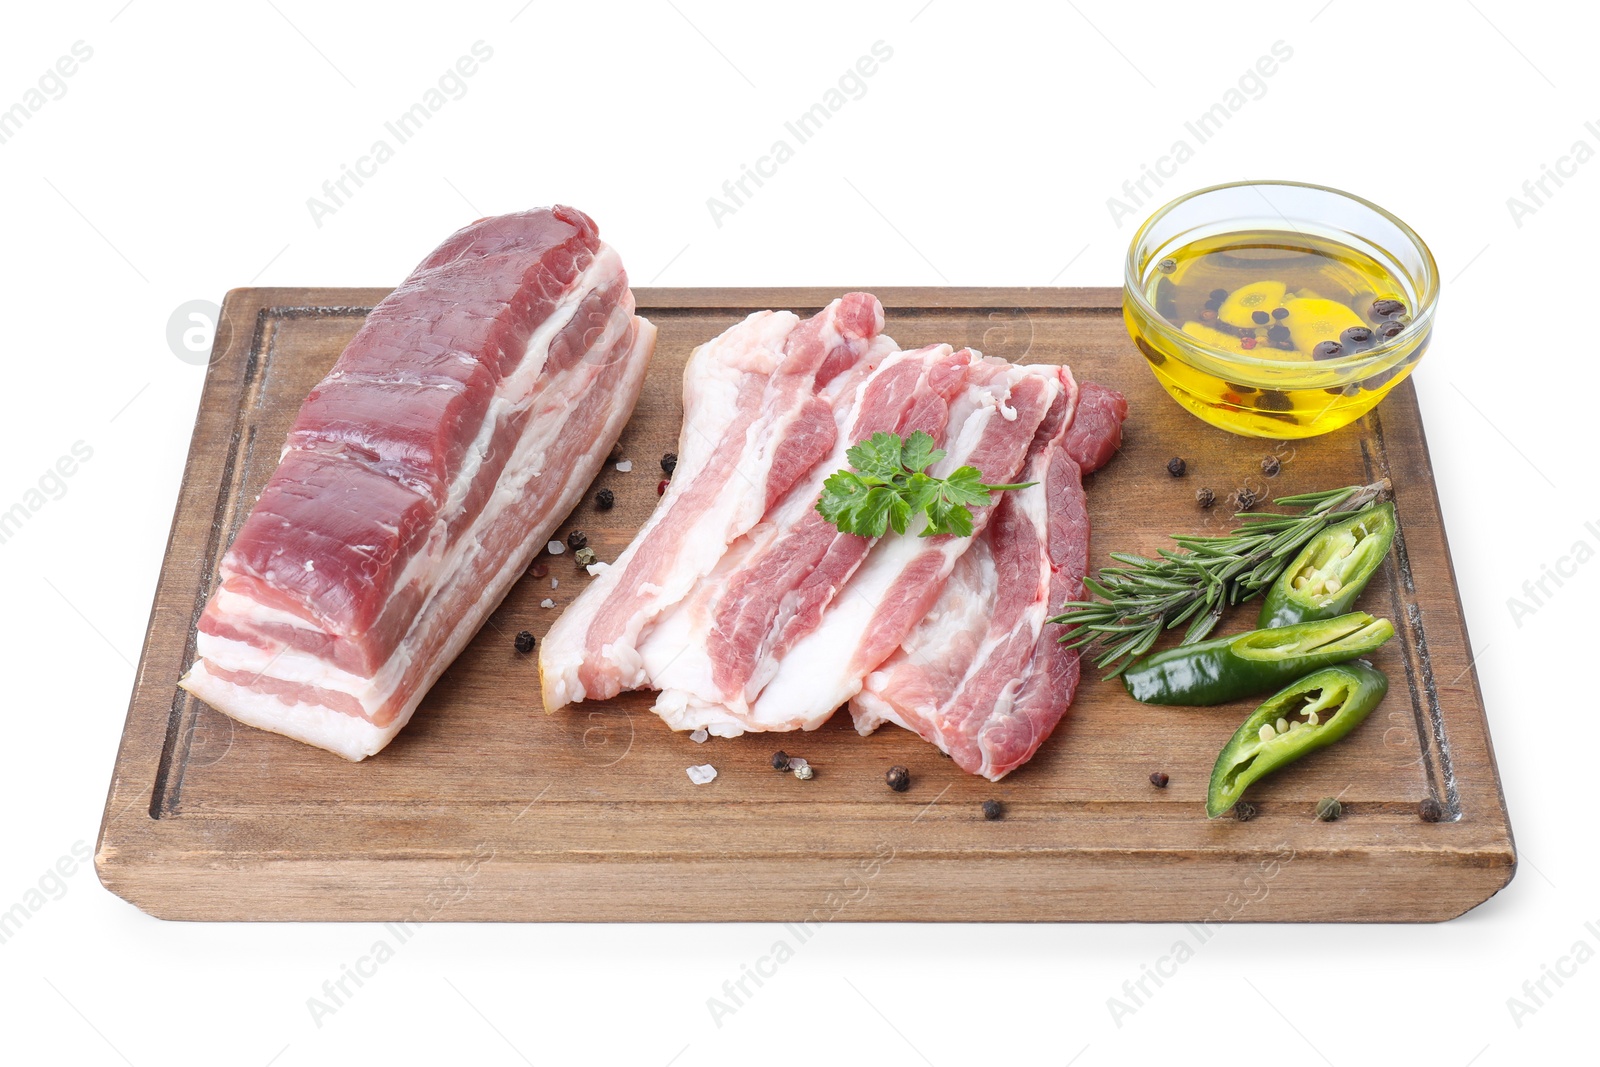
[1331,571]
[1228,668]
[1306,715]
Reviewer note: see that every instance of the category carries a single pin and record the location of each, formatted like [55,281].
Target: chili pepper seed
[524,642]
[993,809]
[1159,779]
[898,778]
[1329,809]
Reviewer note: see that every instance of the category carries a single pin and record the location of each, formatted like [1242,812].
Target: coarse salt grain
[702,774]
[699,736]
[547,603]
[554,582]
[625,466]
[555,548]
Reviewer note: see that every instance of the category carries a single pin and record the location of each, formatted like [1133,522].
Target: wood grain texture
[486,808]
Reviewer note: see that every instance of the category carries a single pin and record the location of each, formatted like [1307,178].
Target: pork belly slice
[992,424]
[759,404]
[984,676]
[455,432]
[714,651]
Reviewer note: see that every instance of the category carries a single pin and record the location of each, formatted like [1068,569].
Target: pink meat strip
[454,433]
[759,412]
[984,676]
[992,425]
[719,646]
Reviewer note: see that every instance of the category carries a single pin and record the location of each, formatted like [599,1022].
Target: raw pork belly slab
[746,611]
[455,432]
[984,675]
[758,413]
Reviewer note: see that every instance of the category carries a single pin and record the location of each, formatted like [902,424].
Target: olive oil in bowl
[1276,331]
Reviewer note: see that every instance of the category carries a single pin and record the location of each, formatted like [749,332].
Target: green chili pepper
[1330,572]
[1312,713]
[1227,668]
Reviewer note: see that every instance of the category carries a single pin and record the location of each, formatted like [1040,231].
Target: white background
[178,162]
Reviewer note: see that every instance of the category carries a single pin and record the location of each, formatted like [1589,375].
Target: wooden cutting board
[486,808]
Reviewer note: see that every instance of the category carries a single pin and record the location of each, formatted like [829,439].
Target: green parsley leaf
[889,486]
[879,458]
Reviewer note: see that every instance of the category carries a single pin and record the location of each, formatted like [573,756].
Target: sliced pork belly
[714,651]
[984,676]
[991,427]
[759,413]
[455,432]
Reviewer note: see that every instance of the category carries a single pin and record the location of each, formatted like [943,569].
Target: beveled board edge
[170,867]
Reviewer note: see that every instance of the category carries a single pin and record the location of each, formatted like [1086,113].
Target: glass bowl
[1267,397]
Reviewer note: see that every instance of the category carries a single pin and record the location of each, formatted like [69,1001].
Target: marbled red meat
[456,430]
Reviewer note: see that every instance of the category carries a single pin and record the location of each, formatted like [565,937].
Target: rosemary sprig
[1195,583]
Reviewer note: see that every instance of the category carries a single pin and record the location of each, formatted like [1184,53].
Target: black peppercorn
[524,642]
[669,463]
[1278,333]
[1205,497]
[1327,350]
[993,809]
[577,539]
[1329,809]
[1260,318]
[1273,400]
[605,499]
[1244,498]
[1383,309]
[1430,810]
[1244,811]
[1177,467]
[1219,295]
[1270,466]
[1159,779]
[899,779]
[780,760]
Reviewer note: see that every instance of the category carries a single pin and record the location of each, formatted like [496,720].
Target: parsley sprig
[888,486]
